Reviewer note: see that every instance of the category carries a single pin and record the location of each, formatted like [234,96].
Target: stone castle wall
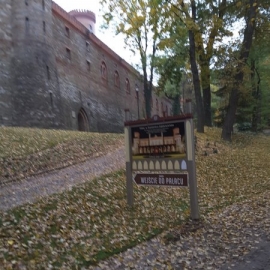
[54,73]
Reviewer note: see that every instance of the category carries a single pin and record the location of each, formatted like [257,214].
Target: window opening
[103,70]
[44,27]
[88,65]
[116,79]
[27,23]
[48,73]
[67,32]
[51,98]
[127,86]
[87,46]
[68,53]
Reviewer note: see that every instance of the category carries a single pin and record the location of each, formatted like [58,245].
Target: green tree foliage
[205,21]
[259,76]
[171,66]
[143,24]
[250,14]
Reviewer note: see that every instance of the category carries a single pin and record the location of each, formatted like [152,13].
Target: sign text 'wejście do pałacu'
[173,180]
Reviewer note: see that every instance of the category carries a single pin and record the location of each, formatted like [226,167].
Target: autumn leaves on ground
[92,221]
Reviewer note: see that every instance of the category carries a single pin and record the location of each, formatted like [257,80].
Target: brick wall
[5,64]
[58,73]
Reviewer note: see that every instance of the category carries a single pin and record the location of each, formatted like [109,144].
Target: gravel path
[31,189]
[237,237]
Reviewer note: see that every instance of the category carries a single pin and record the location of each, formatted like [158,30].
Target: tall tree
[259,75]
[195,74]
[204,20]
[142,24]
[171,65]
[251,9]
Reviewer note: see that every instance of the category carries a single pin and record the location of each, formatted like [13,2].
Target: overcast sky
[105,35]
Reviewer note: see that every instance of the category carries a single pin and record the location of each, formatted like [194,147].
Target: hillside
[25,152]
[92,221]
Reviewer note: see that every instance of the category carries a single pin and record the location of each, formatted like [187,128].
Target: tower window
[127,86]
[88,65]
[67,32]
[68,53]
[103,70]
[44,27]
[116,79]
[48,73]
[51,98]
[26,2]
[43,4]
[87,45]
[26,23]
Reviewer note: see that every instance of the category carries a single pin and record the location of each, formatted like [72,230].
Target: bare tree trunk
[256,93]
[246,45]
[195,75]
[205,74]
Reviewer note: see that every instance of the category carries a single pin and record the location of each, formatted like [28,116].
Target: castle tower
[36,95]
[86,18]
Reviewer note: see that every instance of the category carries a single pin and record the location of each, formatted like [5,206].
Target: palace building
[55,72]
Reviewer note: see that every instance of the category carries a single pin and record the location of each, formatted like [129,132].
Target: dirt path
[31,189]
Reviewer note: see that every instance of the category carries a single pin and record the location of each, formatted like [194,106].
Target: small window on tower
[67,32]
[87,45]
[51,98]
[88,65]
[68,53]
[48,72]
[103,70]
[116,79]
[44,27]
[26,23]
[43,4]
[127,86]
[26,2]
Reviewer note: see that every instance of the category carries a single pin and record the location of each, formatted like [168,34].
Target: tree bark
[196,83]
[195,75]
[205,74]
[244,54]
[256,93]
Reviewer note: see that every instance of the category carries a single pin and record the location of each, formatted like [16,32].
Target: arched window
[116,79]
[127,86]
[103,70]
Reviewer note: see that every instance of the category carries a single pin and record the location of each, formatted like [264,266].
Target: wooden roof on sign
[157,119]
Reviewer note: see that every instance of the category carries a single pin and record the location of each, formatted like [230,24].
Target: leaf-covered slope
[84,225]
[25,152]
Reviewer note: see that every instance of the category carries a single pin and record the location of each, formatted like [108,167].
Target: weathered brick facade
[55,73]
